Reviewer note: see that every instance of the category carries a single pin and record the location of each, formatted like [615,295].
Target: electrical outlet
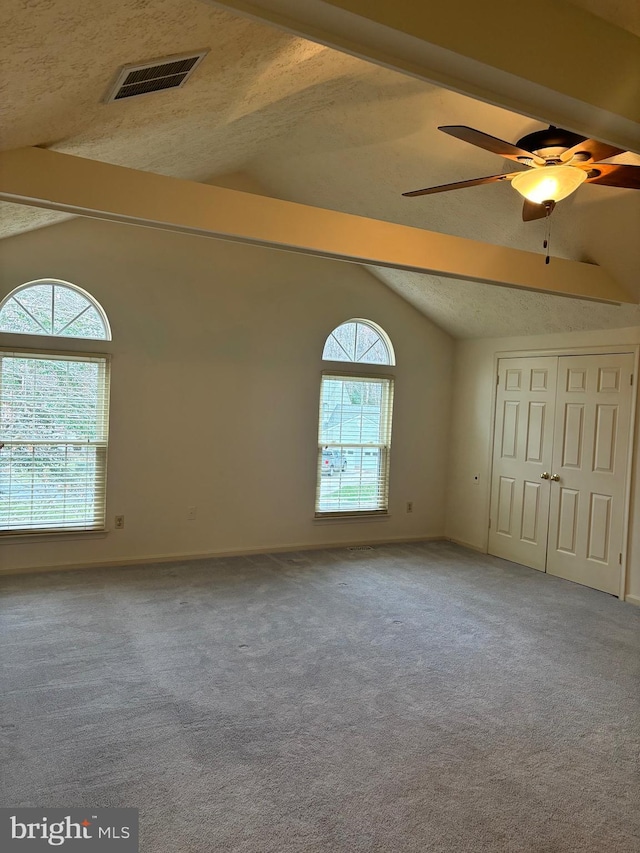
[409,506]
[119,522]
[192,512]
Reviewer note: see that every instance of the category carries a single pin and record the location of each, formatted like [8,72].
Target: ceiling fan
[559,162]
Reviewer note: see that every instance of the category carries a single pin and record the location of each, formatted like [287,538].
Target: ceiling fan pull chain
[547,233]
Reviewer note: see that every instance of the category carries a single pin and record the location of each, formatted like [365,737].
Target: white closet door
[590,457]
[522,453]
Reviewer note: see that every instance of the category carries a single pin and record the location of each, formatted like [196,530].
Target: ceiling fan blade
[459,185]
[611,175]
[490,143]
[531,210]
[596,150]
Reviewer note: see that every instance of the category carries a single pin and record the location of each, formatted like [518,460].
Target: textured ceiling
[462,308]
[310,125]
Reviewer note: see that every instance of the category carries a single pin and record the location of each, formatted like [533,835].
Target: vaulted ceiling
[299,121]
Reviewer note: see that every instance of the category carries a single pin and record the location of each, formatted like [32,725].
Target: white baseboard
[633,599]
[239,552]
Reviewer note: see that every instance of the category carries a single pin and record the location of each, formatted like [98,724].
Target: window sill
[51,535]
[350,517]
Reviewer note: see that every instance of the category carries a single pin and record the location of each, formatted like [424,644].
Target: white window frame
[68,348]
[384,338]
[353,371]
[384,447]
[67,285]
[101,444]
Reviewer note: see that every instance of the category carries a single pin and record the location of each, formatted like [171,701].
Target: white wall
[215,380]
[471,438]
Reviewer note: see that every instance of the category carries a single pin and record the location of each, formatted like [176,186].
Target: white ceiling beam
[56,181]
[559,64]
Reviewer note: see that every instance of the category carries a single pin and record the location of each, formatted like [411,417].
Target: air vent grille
[144,78]
[360,548]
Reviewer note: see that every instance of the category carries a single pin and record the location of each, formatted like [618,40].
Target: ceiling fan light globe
[548,183]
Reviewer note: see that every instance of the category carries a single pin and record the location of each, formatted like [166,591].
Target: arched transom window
[53,413]
[359,341]
[354,430]
[53,308]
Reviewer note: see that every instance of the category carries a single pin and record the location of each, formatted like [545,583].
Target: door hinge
[489,524]
[498,379]
[620,559]
[631,379]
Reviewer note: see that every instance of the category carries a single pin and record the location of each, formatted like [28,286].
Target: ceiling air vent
[142,79]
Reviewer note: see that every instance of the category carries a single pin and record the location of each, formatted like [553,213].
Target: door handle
[545,476]
[555,477]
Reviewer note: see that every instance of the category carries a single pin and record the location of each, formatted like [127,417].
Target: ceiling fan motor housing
[550,143]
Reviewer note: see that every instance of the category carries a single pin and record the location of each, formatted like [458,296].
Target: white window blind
[53,428]
[354,441]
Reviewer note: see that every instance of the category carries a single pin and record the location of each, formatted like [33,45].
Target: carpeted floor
[409,699]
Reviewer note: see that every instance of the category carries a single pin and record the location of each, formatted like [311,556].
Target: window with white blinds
[53,437]
[354,440]
[354,432]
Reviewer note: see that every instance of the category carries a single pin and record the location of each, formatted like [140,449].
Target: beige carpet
[408,699]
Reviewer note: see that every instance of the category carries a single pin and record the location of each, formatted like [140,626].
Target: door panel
[605,439]
[510,429]
[535,431]
[591,441]
[568,521]
[530,512]
[522,452]
[599,528]
[505,505]
[573,435]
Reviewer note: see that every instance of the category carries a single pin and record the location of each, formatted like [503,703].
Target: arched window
[354,431]
[53,308]
[53,413]
[359,341]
